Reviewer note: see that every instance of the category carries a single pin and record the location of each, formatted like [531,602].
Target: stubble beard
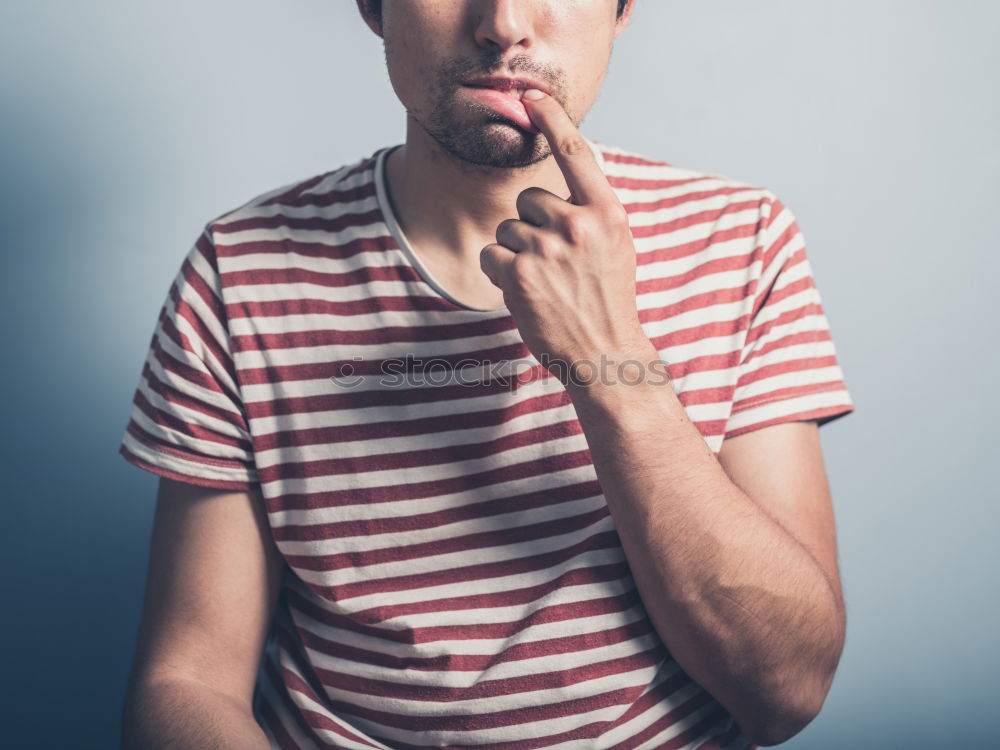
[486,139]
[473,135]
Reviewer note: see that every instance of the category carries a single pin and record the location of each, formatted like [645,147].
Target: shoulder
[646,183]
[310,198]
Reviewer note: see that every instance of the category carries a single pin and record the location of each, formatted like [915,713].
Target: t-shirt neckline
[389,217]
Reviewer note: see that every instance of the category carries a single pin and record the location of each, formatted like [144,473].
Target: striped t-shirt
[454,576]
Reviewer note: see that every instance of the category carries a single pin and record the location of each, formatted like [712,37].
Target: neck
[446,206]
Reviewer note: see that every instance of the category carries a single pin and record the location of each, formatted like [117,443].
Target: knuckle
[572,145]
[574,228]
[615,214]
[521,272]
[548,248]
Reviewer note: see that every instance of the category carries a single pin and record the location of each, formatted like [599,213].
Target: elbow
[776,721]
[778,729]
[786,701]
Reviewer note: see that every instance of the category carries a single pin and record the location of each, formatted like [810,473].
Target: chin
[499,146]
[484,138]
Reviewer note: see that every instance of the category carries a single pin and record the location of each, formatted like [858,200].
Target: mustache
[458,69]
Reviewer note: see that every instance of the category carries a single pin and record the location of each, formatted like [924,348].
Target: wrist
[622,371]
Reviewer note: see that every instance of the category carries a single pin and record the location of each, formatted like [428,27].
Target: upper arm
[211,589]
[781,468]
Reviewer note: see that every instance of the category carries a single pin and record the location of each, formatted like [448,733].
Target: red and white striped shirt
[454,576]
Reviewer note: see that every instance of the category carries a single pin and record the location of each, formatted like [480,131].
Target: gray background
[126,126]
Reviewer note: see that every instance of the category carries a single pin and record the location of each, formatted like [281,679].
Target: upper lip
[498,82]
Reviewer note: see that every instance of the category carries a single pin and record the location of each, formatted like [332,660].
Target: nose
[502,24]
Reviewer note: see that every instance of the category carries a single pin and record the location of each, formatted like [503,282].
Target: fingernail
[533,94]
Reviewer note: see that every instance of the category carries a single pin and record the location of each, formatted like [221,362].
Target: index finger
[582,172]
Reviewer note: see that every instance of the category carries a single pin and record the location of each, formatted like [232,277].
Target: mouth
[514,87]
[503,96]
[513,93]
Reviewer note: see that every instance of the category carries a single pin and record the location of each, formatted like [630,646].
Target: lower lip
[503,104]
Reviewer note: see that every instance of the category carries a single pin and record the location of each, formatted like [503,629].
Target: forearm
[740,604]
[183,715]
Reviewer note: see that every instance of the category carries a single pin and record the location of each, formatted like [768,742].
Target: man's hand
[567,267]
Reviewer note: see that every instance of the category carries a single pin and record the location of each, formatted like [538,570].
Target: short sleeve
[788,369]
[187,419]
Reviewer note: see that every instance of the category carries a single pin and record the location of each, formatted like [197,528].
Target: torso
[454,572]
[469,286]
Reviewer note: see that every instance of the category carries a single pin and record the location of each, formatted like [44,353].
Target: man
[621,536]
